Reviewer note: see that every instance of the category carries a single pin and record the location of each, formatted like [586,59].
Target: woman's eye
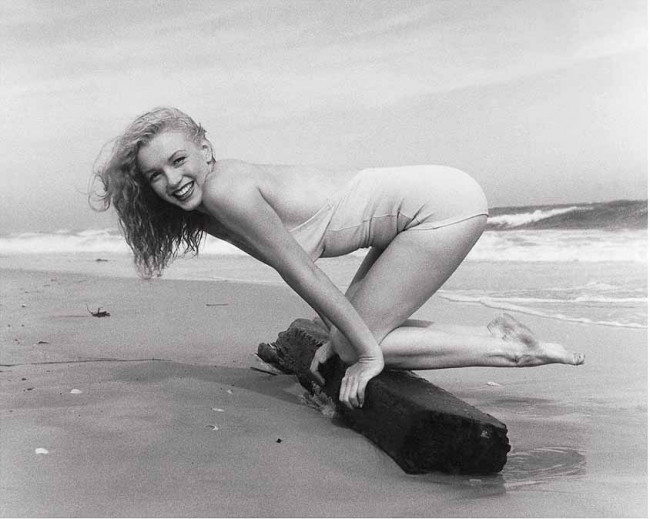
[179,160]
[154,176]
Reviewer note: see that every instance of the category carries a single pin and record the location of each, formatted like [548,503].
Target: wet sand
[169,419]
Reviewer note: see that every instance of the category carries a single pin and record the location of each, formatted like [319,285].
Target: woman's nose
[173,178]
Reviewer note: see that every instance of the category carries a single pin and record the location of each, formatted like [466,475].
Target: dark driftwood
[422,427]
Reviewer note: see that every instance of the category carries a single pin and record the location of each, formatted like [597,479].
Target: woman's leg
[437,346]
[363,269]
[405,275]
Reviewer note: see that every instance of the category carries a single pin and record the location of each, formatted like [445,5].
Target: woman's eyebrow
[169,159]
[174,154]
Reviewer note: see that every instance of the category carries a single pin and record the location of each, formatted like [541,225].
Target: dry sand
[171,421]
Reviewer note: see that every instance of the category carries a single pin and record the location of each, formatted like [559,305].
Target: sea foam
[507,246]
[562,246]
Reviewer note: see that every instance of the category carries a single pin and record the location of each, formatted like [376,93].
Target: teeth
[183,191]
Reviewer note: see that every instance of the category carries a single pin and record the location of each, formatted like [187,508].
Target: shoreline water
[583,263]
[519,245]
[605,293]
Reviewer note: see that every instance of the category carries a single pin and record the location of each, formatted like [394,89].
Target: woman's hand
[357,376]
[321,357]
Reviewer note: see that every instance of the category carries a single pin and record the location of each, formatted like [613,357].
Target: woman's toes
[574,358]
[578,358]
[558,353]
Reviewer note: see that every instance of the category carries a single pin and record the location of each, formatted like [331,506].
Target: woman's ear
[206,149]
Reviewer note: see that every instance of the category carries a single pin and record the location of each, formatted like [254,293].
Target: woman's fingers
[320,357]
[361,392]
[355,381]
[351,394]
[313,368]
[344,394]
[353,397]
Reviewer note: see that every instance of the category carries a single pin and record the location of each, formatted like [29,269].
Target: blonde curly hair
[154,229]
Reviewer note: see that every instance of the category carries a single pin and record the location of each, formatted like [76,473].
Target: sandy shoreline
[140,438]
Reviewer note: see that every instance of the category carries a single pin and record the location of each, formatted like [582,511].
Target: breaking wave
[616,215]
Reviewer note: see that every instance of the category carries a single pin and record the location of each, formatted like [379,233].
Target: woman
[419,222]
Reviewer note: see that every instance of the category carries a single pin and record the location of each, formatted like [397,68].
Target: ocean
[585,263]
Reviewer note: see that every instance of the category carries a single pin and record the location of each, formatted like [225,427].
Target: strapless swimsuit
[379,203]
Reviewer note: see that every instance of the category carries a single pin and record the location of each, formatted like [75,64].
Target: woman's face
[176,167]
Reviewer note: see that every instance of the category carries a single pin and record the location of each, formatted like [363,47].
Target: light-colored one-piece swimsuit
[377,204]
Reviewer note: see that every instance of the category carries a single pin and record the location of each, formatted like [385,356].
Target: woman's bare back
[296,193]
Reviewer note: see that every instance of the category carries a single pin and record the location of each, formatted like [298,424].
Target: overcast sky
[542,101]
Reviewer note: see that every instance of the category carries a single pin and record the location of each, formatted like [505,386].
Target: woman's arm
[241,208]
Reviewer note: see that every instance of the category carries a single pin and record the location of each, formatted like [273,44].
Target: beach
[164,129]
[155,410]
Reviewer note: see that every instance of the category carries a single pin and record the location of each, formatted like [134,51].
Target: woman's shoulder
[225,169]
[228,174]
[231,182]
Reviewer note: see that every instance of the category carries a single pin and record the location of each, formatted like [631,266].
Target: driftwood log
[422,427]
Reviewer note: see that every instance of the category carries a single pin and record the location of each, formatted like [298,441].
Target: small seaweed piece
[99,312]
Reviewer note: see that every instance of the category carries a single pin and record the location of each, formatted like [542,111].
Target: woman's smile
[184,192]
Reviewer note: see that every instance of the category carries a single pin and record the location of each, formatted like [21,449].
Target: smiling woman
[176,167]
[418,221]
[155,217]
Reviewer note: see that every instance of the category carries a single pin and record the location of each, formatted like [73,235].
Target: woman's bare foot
[549,353]
[536,353]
